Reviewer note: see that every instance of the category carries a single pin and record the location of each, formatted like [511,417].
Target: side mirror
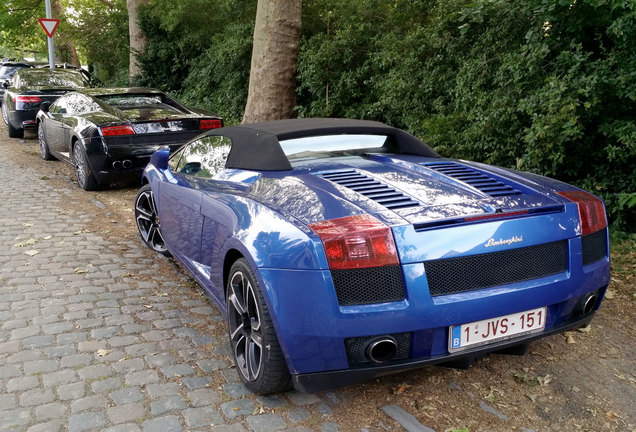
[160,158]
[6,84]
[44,106]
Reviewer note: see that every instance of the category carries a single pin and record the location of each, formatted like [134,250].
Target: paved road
[95,336]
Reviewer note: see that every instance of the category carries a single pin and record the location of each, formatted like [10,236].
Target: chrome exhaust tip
[127,164]
[588,303]
[117,165]
[382,349]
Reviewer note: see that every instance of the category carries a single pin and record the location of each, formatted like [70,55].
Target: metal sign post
[47,4]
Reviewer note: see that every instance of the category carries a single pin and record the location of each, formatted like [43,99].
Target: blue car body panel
[264,217]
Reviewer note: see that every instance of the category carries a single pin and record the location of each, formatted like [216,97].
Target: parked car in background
[343,250]
[29,88]
[109,134]
[8,69]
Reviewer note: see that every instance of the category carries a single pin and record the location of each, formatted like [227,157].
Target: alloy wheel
[244,319]
[148,220]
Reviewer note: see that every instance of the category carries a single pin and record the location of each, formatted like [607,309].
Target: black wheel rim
[148,221]
[244,319]
[80,166]
[42,142]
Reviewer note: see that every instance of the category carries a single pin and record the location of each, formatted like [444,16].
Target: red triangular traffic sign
[49,25]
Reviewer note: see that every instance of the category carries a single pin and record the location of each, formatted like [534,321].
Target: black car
[8,69]
[29,88]
[109,134]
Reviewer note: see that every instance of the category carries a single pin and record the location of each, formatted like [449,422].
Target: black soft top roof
[256,146]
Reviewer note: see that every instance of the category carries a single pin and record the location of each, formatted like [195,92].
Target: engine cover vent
[477,179]
[371,188]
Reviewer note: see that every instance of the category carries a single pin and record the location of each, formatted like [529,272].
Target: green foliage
[200,50]
[20,32]
[542,86]
[100,31]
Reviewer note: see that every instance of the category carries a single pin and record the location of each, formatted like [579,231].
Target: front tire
[148,221]
[255,348]
[85,178]
[44,147]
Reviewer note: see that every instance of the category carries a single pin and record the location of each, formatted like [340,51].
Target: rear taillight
[591,210]
[27,99]
[356,242]
[210,124]
[117,130]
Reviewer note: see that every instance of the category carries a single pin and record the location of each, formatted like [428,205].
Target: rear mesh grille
[368,285]
[474,178]
[371,188]
[594,246]
[357,346]
[455,275]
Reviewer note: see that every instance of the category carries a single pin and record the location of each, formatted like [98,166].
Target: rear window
[57,78]
[6,72]
[335,145]
[131,101]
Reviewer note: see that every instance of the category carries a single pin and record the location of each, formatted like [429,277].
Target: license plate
[496,329]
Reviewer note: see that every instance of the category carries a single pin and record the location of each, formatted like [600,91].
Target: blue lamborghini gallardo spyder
[341,250]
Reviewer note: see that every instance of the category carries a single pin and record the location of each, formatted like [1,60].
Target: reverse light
[356,242]
[591,210]
[210,124]
[27,99]
[117,130]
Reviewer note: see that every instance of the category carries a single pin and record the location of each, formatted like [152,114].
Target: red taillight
[27,99]
[210,124]
[356,242]
[117,130]
[591,210]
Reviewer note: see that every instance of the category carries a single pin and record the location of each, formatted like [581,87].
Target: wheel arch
[231,257]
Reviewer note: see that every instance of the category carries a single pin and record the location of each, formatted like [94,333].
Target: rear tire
[15,132]
[257,354]
[85,178]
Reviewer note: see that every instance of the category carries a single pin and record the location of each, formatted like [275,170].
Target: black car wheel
[13,132]
[148,221]
[255,348]
[5,116]
[85,177]
[44,147]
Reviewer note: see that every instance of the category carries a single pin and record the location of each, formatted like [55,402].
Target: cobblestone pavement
[95,337]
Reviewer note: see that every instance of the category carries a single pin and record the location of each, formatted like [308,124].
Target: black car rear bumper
[22,119]
[323,381]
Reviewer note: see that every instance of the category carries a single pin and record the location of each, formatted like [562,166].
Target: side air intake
[370,188]
[477,179]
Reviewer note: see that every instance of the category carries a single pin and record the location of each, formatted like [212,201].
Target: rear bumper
[323,381]
[22,119]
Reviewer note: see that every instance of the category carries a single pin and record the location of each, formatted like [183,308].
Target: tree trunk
[65,46]
[137,38]
[272,88]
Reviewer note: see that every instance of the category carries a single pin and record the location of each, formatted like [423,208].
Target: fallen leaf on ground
[79,271]
[610,294]
[585,329]
[28,242]
[532,397]
[103,352]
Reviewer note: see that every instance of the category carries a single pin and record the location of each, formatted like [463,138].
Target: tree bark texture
[272,87]
[137,37]
[65,47]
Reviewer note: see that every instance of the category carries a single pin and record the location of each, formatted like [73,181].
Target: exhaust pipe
[382,349]
[127,163]
[117,165]
[587,304]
